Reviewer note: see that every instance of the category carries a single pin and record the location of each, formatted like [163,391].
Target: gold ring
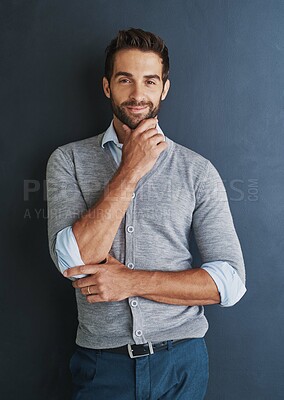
[89,290]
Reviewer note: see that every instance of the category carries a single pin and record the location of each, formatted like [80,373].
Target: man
[122,206]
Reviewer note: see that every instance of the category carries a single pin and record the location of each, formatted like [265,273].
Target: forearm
[96,229]
[191,287]
[113,281]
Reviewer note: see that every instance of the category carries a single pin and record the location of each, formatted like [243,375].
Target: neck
[117,124]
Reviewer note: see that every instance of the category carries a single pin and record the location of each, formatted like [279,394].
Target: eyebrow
[123,73]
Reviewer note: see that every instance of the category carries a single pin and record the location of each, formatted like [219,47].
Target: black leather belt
[142,350]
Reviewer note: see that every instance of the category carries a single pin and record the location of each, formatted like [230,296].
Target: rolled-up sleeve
[227,280]
[67,250]
[216,237]
[65,202]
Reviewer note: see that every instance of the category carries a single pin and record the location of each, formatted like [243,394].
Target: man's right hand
[142,146]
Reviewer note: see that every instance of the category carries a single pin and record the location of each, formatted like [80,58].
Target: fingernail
[65,273]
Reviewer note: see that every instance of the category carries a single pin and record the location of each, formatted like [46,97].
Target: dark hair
[137,39]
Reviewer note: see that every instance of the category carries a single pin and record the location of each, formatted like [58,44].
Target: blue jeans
[179,372]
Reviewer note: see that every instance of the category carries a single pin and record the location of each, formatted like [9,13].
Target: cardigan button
[134,303]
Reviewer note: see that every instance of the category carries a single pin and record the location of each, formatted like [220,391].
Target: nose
[137,93]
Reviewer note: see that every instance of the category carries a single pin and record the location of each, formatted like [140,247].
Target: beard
[134,120]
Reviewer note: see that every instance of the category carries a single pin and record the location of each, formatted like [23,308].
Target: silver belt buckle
[134,353]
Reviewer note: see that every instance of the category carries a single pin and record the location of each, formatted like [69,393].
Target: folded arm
[113,281]
[220,276]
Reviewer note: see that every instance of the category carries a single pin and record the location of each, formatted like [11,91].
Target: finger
[146,124]
[126,129]
[113,260]
[156,139]
[149,133]
[94,299]
[89,290]
[162,146]
[82,269]
[73,271]
[84,282]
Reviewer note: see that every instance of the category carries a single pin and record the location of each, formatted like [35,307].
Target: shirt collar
[111,136]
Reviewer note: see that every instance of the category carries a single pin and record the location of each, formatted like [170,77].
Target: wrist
[142,282]
[128,175]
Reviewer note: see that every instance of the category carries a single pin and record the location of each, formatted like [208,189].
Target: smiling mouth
[136,109]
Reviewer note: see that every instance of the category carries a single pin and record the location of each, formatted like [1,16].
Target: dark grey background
[226,102]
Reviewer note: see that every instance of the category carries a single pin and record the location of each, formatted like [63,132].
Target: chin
[136,121]
[132,123]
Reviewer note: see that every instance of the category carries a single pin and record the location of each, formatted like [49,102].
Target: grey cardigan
[181,195]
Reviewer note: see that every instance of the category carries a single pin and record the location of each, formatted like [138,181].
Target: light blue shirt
[226,278]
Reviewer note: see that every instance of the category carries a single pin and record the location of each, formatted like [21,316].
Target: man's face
[136,88]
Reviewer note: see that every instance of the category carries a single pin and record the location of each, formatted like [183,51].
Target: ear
[166,89]
[106,87]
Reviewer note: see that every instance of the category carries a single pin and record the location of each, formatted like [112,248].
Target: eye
[151,83]
[124,80]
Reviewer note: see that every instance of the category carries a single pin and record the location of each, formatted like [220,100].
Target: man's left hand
[106,282]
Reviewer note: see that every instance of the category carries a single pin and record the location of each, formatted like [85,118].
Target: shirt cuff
[67,251]
[227,280]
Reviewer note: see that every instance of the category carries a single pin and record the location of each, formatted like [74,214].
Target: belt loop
[170,344]
[98,352]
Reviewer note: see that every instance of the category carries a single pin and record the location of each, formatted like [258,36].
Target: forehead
[138,62]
